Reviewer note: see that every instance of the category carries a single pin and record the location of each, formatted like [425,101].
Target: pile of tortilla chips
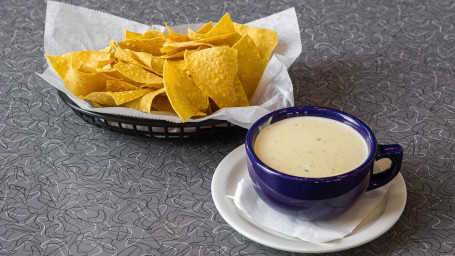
[191,75]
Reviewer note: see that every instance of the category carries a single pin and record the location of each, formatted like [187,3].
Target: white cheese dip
[311,147]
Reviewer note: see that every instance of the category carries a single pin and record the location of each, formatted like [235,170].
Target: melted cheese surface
[311,147]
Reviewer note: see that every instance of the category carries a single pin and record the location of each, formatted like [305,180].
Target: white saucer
[233,168]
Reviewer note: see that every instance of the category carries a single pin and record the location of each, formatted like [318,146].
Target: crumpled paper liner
[71,28]
[247,200]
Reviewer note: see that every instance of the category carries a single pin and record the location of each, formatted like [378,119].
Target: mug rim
[270,170]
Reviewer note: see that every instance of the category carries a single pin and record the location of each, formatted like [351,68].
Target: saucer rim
[233,167]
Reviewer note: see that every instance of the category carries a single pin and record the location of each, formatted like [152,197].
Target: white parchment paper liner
[71,28]
[247,200]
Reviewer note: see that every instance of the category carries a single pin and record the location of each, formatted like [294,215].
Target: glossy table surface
[69,188]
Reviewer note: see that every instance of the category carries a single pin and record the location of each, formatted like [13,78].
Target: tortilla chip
[120,86]
[144,103]
[250,71]
[174,47]
[106,64]
[147,35]
[213,71]
[240,92]
[142,59]
[62,63]
[181,53]
[185,97]
[113,99]
[265,40]
[174,36]
[96,105]
[206,28]
[162,103]
[139,74]
[82,83]
[151,46]
[226,39]
[224,26]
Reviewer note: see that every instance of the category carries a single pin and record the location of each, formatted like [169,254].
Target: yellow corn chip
[111,48]
[162,103]
[226,39]
[142,59]
[151,46]
[147,35]
[180,64]
[179,55]
[153,63]
[115,98]
[240,92]
[106,64]
[200,114]
[171,47]
[250,65]
[125,56]
[133,35]
[186,99]
[107,49]
[206,28]
[139,74]
[114,74]
[224,26]
[153,33]
[82,83]
[173,56]
[62,63]
[119,86]
[213,71]
[265,40]
[174,36]
[144,103]
[96,105]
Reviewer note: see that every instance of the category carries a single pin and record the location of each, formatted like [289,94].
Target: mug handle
[395,153]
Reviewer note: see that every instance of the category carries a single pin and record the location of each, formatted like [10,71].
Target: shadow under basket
[159,129]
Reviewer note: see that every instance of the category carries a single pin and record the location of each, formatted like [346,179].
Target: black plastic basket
[159,129]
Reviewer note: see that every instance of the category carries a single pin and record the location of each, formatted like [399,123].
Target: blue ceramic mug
[319,198]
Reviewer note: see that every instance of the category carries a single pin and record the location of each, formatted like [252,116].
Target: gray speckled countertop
[69,188]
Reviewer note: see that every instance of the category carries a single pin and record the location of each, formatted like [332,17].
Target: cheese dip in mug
[310,146]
